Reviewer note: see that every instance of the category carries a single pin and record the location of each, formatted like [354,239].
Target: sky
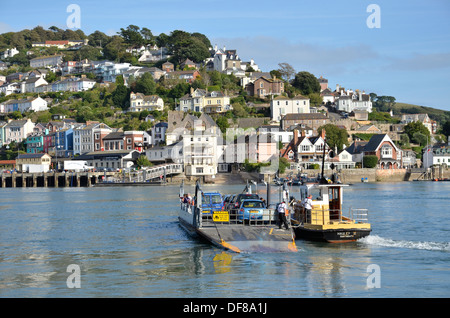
[396,48]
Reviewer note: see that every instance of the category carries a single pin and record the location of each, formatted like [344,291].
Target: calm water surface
[127,243]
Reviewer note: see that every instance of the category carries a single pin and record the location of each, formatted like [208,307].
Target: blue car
[251,210]
[211,201]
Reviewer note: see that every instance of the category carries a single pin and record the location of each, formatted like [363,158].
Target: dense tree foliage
[335,137]
[306,82]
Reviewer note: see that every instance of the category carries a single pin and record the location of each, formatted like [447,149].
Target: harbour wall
[49,179]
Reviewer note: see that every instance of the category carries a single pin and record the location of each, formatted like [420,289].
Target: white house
[10,88]
[282,105]
[159,133]
[9,53]
[438,154]
[43,61]
[32,83]
[354,101]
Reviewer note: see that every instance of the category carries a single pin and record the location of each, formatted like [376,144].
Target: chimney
[295,140]
[303,133]
[322,134]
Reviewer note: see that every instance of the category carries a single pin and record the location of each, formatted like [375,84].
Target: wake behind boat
[235,231]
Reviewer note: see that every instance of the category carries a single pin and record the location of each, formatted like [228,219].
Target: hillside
[439,115]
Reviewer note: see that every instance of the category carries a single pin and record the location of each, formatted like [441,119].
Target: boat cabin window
[316,194]
[335,202]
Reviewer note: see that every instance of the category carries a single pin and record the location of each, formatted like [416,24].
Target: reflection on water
[128,243]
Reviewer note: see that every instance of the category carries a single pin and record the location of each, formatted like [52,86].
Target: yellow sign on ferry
[221,216]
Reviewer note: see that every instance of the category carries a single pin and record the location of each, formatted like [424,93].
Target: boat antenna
[322,178]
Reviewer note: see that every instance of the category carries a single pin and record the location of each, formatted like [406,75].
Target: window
[386,151]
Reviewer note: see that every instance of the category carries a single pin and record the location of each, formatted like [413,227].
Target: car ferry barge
[231,232]
[325,221]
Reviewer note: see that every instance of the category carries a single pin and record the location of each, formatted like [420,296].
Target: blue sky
[408,57]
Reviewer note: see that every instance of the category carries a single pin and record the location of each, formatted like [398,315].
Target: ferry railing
[268,217]
[325,216]
[359,215]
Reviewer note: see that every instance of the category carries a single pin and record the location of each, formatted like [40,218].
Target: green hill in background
[439,115]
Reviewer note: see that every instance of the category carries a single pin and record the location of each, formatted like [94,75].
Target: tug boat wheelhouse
[325,221]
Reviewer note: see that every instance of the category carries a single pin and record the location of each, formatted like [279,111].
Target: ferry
[325,221]
[232,231]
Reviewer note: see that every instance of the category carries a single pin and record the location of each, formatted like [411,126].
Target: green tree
[222,122]
[315,99]
[114,50]
[132,35]
[416,127]
[146,84]
[143,161]
[306,82]
[286,71]
[120,96]
[446,128]
[335,136]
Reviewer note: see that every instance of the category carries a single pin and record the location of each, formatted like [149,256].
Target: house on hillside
[140,102]
[264,86]
[282,105]
[422,118]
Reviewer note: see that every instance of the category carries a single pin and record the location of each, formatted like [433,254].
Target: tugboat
[228,231]
[325,221]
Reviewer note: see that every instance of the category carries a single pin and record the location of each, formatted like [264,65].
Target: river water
[126,242]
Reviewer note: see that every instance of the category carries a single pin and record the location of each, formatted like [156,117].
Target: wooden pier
[51,179]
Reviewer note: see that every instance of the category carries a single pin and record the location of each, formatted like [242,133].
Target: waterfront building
[111,160]
[438,154]
[36,162]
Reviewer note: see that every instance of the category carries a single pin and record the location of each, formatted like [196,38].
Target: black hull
[331,236]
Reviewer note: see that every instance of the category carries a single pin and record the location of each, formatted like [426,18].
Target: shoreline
[348,176]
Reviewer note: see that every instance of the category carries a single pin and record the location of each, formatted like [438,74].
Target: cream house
[17,130]
[140,102]
[200,100]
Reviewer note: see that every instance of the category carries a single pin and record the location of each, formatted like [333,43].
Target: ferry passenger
[282,210]
[307,204]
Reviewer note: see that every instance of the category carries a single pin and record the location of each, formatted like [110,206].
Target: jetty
[51,179]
